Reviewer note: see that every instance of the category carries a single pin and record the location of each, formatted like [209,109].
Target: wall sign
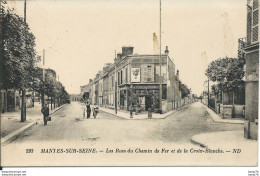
[135,74]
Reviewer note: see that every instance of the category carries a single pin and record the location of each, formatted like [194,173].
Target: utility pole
[23,108]
[43,77]
[25,11]
[115,85]
[208,91]
[160,61]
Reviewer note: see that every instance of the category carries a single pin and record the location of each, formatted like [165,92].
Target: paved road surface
[178,128]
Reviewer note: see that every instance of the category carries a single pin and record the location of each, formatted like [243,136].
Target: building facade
[133,81]
[252,70]
[74,97]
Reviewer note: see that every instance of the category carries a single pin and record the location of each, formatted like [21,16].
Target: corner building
[134,80]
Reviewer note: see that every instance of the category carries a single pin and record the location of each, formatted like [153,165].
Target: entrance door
[148,102]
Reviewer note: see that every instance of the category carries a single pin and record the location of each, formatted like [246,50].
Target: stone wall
[226,111]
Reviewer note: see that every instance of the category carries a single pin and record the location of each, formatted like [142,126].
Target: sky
[80,36]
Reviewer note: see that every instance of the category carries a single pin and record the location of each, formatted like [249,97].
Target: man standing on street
[45,112]
[88,110]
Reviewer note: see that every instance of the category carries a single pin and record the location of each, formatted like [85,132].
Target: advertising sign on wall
[135,74]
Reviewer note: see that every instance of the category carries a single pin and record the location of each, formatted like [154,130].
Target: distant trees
[50,86]
[185,91]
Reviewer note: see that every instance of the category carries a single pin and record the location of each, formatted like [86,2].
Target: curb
[57,109]
[139,119]
[201,138]
[21,130]
[198,143]
[230,121]
[173,111]
[113,114]
[17,132]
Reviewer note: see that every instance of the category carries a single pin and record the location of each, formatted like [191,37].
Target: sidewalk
[218,118]
[226,139]
[12,126]
[141,116]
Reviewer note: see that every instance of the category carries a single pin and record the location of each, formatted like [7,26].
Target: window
[121,77]
[112,81]
[118,78]
[148,75]
[126,80]
[254,21]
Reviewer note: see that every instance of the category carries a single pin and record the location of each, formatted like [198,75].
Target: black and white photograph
[129,83]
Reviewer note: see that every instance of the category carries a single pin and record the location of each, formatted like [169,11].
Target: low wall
[239,111]
[231,111]
[226,111]
[179,104]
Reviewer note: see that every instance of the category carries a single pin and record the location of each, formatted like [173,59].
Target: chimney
[166,51]
[118,57]
[90,81]
[127,50]
[106,67]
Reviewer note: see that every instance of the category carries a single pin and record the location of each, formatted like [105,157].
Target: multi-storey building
[134,80]
[252,70]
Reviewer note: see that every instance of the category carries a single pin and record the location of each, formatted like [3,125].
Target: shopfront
[142,97]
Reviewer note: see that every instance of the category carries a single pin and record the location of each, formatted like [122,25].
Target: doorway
[148,102]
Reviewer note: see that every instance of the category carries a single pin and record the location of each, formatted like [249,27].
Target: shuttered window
[255,34]
[255,21]
[255,4]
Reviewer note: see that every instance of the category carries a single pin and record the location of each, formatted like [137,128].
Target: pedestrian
[45,112]
[149,113]
[95,111]
[88,110]
[131,111]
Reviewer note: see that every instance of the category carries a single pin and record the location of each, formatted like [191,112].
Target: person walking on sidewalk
[45,111]
[95,111]
[88,110]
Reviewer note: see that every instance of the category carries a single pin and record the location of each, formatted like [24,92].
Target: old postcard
[129,83]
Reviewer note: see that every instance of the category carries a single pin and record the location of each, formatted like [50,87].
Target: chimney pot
[166,50]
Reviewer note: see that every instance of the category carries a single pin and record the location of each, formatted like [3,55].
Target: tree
[228,73]
[184,89]
[17,54]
